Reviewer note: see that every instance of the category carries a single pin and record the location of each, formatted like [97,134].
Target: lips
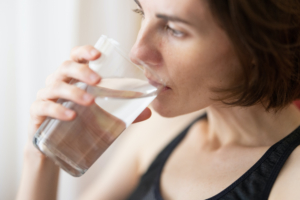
[156,81]
[158,85]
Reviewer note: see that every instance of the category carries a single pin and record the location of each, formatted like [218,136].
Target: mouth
[160,86]
[156,81]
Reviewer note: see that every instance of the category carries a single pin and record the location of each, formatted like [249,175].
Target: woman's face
[183,44]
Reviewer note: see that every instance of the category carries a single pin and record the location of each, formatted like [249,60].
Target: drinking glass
[125,90]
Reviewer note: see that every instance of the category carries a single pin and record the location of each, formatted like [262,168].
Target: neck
[250,126]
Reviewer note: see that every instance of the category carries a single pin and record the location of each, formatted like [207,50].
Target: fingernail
[69,113]
[94,77]
[87,97]
[94,52]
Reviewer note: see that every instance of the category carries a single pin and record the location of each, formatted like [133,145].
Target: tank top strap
[152,175]
[258,181]
[284,148]
[163,156]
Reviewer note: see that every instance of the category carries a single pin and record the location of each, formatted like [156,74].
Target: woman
[239,60]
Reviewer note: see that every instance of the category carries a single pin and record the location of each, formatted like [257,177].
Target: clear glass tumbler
[124,92]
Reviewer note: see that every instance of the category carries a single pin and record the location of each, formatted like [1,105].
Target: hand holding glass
[123,93]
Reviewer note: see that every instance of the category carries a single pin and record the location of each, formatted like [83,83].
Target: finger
[65,91]
[72,70]
[42,109]
[146,114]
[84,54]
[50,79]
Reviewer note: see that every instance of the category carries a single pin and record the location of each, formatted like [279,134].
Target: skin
[204,60]
[192,55]
[195,46]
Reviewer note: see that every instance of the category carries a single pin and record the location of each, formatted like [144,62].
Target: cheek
[225,71]
[194,70]
[211,63]
[190,67]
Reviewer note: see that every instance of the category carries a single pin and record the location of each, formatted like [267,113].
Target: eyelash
[173,32]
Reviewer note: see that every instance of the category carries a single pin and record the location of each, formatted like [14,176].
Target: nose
[146,48]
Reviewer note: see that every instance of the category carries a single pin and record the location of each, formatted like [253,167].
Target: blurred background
[35,38]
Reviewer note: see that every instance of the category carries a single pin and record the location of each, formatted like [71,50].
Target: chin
[166,109]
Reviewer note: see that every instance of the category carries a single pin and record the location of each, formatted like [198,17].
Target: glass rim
[142,65]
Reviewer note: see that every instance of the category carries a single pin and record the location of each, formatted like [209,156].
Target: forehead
[188,9]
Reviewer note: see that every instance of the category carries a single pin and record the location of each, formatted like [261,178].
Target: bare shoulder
[151,136]
[287,183]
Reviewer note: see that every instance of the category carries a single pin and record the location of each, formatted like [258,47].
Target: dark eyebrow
[165,17]
[138,3]
[171,18]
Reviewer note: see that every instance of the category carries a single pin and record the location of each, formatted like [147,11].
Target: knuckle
[49,108]
[43,106]
[49,79]
[82,68]
[74,91]
[75,52]
[55,109]
[75,94]
[66,64]
[88,47]
[36,110]
[63,68]
[54,87]
[75,49]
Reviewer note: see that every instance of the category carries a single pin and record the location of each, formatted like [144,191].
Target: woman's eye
[139,11]
[174,32]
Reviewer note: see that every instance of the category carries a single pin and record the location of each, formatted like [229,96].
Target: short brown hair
[266,38]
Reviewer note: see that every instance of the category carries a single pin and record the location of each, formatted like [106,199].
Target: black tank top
[255,184]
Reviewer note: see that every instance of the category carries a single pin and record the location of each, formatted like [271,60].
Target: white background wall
[35,37]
